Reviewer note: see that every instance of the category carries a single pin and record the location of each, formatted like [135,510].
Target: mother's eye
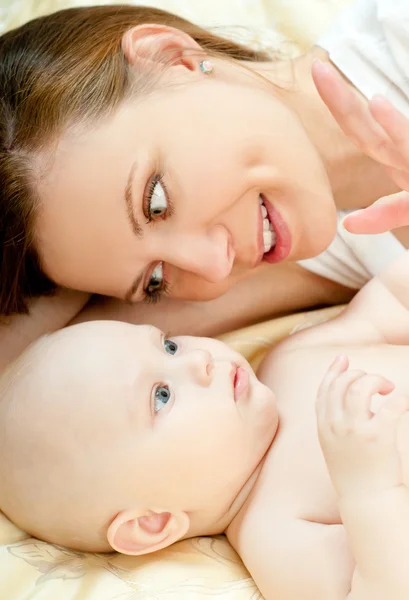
[171,347]
[156,203]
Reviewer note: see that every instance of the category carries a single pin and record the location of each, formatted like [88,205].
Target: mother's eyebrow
[136,228]
[129,203]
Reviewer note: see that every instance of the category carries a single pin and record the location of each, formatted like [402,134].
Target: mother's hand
[380,131]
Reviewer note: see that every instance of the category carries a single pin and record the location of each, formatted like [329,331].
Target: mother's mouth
[280,246]
[269,234]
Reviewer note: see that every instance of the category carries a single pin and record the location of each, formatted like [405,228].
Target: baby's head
[114,437]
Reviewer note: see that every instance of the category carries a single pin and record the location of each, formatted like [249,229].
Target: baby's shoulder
[292,349]
[272,545]
[299,362]
[316,339]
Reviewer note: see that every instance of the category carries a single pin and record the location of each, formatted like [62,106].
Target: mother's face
[164,195]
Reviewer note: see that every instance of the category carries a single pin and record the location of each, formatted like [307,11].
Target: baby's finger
[335,410]
[392,410]
[338,366]
[395,124]
[358,397]
[385,214]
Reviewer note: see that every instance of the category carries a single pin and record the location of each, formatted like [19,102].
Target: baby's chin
[265,404]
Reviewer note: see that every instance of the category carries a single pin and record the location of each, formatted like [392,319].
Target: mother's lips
[282,247]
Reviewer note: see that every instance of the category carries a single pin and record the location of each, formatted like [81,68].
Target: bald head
[57,424]
[109,431]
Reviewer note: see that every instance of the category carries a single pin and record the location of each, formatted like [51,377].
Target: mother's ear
[161,44]
[140,532]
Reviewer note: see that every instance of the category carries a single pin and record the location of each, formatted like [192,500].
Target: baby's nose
[200,363]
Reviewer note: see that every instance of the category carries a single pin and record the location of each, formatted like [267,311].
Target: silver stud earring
[206,66]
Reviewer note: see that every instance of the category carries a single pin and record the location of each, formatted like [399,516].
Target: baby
[113,436]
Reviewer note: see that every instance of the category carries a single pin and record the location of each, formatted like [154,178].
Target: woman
[144,157]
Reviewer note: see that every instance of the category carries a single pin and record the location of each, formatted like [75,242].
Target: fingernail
[383,200]
[321,65]
[359,210]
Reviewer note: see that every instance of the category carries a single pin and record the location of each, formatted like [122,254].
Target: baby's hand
[360,447]
[380,131]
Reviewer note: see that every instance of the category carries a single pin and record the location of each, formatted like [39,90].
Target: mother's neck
[356,180]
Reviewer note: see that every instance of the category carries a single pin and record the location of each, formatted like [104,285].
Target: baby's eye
[170,346]
[162,397]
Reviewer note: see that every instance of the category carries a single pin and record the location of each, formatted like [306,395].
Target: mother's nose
[209,254]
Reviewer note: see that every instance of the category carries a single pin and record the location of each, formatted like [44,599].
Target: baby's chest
[305,369]
[296,479]
[299,480]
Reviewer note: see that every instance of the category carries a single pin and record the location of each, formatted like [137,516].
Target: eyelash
[155,296]
[165,336]
[148,199]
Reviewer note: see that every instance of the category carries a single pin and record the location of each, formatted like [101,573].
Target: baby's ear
[136,531]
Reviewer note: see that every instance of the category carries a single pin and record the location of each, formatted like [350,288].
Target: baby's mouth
[240,379]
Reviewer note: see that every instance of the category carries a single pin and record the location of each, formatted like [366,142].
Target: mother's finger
[386,213]
[394,123]
[353,115]
[350,111]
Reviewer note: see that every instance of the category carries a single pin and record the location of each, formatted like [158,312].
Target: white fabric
[352,260]
[369,43]
[298,22]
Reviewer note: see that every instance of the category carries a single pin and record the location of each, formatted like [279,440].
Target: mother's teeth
[268,237]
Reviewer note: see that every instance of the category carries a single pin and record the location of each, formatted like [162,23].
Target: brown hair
[67,67]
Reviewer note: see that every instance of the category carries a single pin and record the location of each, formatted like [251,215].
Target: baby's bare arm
[379,313]
[363,459]
[291,558]
[384,302]
[378,532]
